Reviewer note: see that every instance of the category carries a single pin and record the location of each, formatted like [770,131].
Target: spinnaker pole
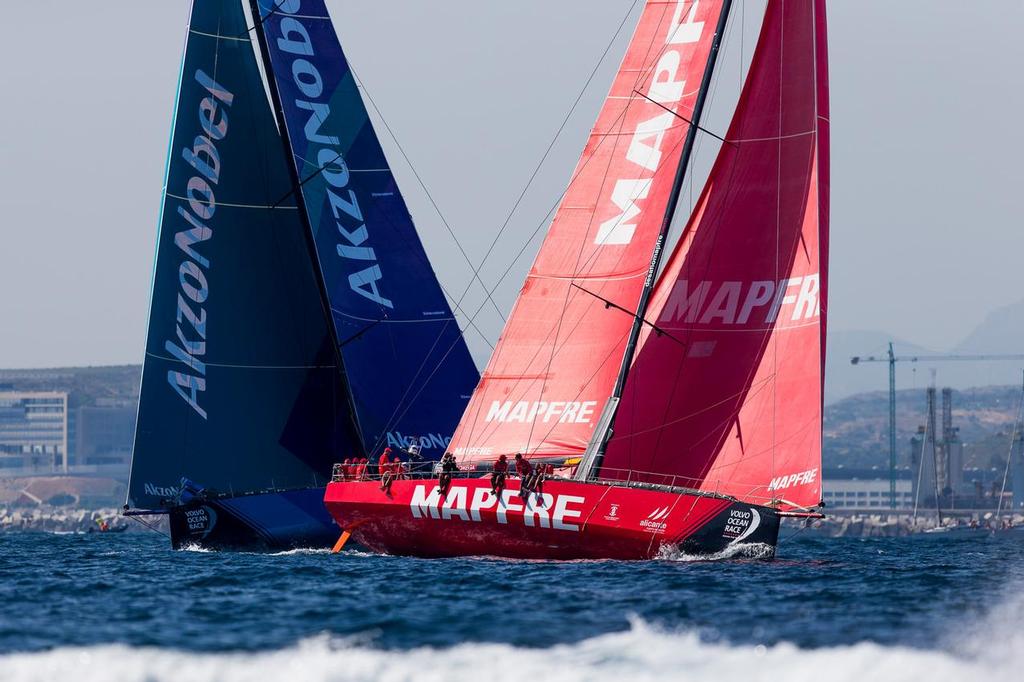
[594,456]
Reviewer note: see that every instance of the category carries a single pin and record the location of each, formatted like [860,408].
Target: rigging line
[610,304]
[684,119]
[529,182]
[551,144]
[557,202]
[423,186]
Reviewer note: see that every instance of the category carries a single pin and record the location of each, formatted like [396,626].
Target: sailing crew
[338,472]
[360,469]
[498,473]
[448,468]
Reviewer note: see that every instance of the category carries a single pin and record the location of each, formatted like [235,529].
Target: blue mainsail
[408,369]
[241,390]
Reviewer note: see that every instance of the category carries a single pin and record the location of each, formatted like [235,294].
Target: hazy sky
[927,172]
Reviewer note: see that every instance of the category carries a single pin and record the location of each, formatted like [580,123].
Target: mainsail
[408,369]
[729,398]
[553,369]
[240,388]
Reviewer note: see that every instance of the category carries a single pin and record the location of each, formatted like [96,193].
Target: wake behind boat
[293,308]
[680,411]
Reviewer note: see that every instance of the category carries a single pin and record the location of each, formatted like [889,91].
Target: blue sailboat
[294,320]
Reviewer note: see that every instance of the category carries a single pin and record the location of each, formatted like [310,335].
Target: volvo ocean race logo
[613,514]
[666,90]
[330,162]
[741,524]
[542,511]
[190,330]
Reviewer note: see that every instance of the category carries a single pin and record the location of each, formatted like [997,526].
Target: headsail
[737,408]
[240,389]
[553,369]
[409,371]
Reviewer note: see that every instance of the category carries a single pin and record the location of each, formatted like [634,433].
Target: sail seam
[231,366]
[219,37]
[224,203]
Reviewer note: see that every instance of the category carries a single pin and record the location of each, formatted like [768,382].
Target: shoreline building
[33,432]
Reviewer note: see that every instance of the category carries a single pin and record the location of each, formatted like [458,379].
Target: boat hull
[572,520]
[262,521]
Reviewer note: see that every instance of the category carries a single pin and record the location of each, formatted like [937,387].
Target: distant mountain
[1002,331]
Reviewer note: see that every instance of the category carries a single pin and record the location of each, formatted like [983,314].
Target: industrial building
[866,489]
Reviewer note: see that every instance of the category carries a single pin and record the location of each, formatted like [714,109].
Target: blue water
[133,600]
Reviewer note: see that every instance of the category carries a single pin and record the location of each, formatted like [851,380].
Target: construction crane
[892,359]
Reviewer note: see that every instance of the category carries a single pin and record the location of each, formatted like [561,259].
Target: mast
[275,98]
[594,456]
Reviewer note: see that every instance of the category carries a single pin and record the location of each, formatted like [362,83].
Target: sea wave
[642,653]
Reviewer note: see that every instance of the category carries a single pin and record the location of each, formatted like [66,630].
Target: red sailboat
[680,411]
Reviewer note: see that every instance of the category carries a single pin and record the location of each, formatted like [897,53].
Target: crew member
[525,472]
[448,469]
[348,470]
[388,471]
[384,462]
[498,473]
[360,473]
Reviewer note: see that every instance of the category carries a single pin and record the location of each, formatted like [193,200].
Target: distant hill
[1002,331]
[856,432]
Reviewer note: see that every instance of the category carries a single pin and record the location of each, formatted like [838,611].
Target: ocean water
[125,607]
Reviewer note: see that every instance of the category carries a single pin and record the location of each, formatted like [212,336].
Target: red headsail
[730,399]
[553,369]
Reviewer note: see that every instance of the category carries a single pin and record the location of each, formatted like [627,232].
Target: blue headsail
[241,389]
[408,369]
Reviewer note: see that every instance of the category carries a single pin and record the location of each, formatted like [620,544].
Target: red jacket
[501,466]
[523,466]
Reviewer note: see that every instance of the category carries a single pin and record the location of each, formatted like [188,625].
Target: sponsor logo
[432,441]
[200,521]
[739,303]
[164,491]
[788,481]
[353,237]
[612,515]
[470,505]
[190,331]
[655,521]
[741,524]
[666,89]
[556,410]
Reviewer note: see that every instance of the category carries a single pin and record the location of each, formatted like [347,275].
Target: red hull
[572,521]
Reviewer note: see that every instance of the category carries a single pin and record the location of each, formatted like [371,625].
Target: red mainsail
[730,398]
[556,362]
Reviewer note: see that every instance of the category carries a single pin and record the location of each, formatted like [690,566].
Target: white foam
[642,653]
[745,550]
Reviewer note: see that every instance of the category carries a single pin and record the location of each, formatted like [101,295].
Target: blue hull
[260,521]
